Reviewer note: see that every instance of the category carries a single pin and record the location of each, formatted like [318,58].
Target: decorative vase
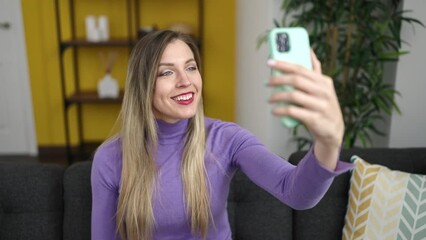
[108,87]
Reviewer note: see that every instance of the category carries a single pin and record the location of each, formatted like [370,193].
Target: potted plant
[353,39]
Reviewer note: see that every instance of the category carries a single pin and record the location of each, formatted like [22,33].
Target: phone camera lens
[282,41]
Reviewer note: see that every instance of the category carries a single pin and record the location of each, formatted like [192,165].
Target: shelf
[110,43]
[92,97]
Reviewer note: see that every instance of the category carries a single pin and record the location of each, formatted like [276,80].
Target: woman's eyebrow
[171,64]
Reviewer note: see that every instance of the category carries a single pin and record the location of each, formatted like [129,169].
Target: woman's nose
[183,80]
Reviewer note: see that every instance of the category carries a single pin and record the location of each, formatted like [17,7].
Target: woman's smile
[184,98]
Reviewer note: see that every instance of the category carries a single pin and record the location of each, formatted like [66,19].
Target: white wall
[409,128]
[254,17]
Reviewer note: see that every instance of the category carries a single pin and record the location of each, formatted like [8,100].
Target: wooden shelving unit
[80,97]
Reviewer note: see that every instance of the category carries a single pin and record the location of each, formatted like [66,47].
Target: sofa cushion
[31,200]
[325,220]
[78,204]
[1,213]
[255,214]
[385,204]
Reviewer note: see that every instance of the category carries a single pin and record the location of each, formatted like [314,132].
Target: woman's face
[178,86]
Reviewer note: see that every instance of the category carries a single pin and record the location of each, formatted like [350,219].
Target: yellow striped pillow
[385,204]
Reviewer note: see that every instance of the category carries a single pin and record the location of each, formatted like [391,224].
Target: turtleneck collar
[169,133]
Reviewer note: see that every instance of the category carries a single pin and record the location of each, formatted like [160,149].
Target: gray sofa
[45,201]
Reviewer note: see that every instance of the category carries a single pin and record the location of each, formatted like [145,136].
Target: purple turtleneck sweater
[229,147]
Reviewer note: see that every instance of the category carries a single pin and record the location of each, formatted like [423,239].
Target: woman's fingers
[290,68]
[299,82]
[314,99]
[302,114]
[316,64]
[300,98]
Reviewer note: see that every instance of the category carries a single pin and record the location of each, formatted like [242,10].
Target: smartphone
[290,45]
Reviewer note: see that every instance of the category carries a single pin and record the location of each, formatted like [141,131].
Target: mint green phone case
[290,45]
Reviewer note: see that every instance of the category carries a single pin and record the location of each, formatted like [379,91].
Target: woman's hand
[316,105]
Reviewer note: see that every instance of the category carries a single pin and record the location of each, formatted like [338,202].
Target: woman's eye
[165,73]
[192,68]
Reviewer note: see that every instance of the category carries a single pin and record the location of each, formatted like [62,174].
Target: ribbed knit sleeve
[105,179]
[300,186]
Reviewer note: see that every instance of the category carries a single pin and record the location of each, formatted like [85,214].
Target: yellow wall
[218,50]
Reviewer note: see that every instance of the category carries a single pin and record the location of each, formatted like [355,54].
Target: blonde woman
[166,175]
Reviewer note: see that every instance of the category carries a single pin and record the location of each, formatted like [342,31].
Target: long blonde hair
[135,216]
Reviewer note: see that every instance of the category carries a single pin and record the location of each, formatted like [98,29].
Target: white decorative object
[97,29]
[103,28]
[92,32]
[90,24]
[108,87]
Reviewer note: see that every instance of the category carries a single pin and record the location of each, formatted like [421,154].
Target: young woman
[166,175]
